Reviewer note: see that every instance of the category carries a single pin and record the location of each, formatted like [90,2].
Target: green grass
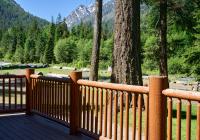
[43,70]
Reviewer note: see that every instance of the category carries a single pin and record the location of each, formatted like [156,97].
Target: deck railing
[110,110]
[12,93]
[50,97]
[187,99]
[104,110]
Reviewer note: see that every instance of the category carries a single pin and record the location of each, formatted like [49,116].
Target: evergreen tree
[61,31]
[12,43]
[18,57]
[163,38]
[40,47]
[59,19]
[126,66]
[29,50]
[1,34]
[48,54]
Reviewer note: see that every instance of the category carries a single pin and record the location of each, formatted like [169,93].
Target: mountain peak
[84,13]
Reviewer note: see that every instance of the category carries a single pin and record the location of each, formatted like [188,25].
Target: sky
[48,8]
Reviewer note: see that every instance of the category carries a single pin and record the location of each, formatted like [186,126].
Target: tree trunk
[163,38]
[96,42]
[136,40]
[126,66]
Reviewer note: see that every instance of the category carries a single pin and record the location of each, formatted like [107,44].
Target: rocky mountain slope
[86,13]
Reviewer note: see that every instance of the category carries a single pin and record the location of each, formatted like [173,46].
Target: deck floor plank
[23,127]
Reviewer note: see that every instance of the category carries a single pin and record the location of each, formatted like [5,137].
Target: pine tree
[48,54]
[18,57]
[163,38]
[61,31]
[39,48]
[126,67]
[28,50]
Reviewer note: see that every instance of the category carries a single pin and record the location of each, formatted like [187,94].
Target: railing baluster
[48,97]
[9,93]
[96,110]
[134,116]
[67,103]
[38,96]
[88,107]
[188,121]
[3,87]
[41,95]
[44,96]
[139,117]
[110,115]
[101,112]
[121,116]
[92,110]
[178,127]
[80,105]
[15,93]
[198,121]
[37,93]
[115,114]
[57,92]
[40,92]
[60,100]
[127,118]
[84,105]
[51,99]
[146,117]
[105,113]
[33,94]
[64,102]
[169,120]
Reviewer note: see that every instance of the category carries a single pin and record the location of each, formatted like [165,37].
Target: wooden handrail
[12,76]
[63,79]
[181,94]
[118,87]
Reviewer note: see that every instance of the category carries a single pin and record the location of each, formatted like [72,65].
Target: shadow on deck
[23,127]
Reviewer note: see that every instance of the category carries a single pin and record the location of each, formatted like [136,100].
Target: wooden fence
[107,110]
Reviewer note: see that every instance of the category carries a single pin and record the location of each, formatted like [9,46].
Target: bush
[65,51]
[177,65]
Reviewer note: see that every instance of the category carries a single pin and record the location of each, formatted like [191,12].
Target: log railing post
[28,90]
[75,98]
[157,108]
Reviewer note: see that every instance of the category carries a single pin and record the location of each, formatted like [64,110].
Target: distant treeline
[55,43]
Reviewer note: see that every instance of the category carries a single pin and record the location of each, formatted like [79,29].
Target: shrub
[65,51]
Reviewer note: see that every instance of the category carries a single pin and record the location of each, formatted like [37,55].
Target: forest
[55,43]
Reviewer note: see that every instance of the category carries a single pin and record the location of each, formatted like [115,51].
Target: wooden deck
[23,127]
